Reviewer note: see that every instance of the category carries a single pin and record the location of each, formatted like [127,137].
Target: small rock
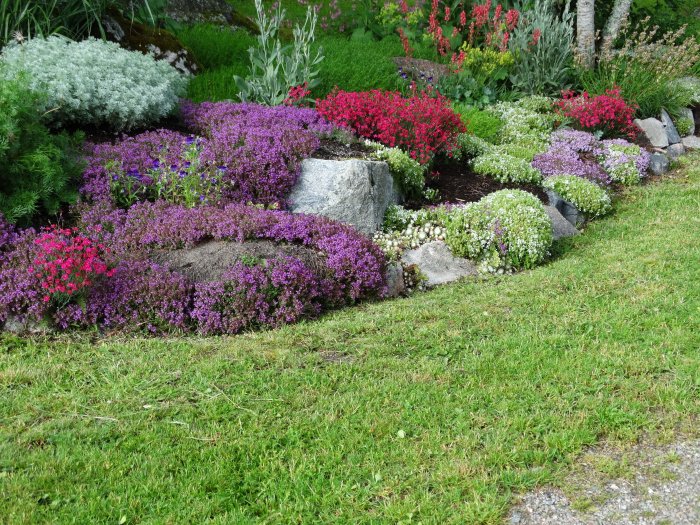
[570,212]
[658,163]
[675,150]
[687,113]
[654,131]
[436,262]
[394,280]
[561,228]
[691,142]
[671,131]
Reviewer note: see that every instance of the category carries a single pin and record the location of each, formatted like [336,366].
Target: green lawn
[434,409]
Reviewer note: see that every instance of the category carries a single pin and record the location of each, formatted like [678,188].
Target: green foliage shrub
[358,65]
[587,196]
[481,123]
[508,229]
[96,83]
[37,169]
[214,47]
[684,125]
[470,146]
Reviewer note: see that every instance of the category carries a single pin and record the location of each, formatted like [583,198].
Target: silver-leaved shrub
[96,83]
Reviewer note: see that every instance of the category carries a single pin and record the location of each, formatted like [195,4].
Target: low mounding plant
[541,44]
[96,83]
[408,174]
[528,121]
[481,123]
[246,153]
[143,296]
[684,125]
[508,229]
[581,154]
[274,68]
[505,168]
[37,170]
[607,114]
[422,124]
[588,197]
[625,163]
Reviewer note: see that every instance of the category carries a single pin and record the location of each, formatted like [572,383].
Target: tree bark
[585,32]
[620,12]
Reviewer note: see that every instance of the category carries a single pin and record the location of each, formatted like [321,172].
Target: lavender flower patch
[246,153]
[561,159]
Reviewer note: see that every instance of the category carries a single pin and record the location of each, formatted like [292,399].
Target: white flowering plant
[408,173]
[408,229]
[94,82]
[505,230]
[586,196]
[506,168]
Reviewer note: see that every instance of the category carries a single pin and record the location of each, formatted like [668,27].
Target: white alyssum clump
[94,82]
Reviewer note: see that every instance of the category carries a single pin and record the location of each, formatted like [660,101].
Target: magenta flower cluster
[251,153]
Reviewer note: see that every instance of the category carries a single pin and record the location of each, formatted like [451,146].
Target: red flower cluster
[608,113]
[67,262]
[297,94]
[422,124]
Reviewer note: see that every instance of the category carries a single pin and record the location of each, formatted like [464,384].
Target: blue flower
[187,164]
[190,140]
[201,198]
[133,172]
[183,174]
[156,164]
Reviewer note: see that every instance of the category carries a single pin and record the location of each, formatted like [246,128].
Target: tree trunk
[620,12]
[585,32]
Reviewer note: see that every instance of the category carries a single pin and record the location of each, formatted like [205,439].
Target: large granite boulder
[437,264]
[654,131]
[675,151]
[356,192]
[561,227]
[671,131]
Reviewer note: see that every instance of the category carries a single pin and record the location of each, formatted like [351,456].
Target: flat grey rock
[561,228]
[436,262]
[671,131]
[688,113]
[658,163]
[691,142]
[674,151]
[356,192]
[654,131]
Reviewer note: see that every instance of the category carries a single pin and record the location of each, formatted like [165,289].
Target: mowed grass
[438,408]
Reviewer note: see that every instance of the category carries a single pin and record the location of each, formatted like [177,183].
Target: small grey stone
[436,262]
[566,209]
[654,131]
[658,163]
[687,113]
[356,192]
[16,325]
[671,131]
[561,228]
[691,142]
[394,280]
[675,150]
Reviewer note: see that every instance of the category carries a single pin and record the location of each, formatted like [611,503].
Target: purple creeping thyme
[281,291]
[246,153]
[630,152]
[21,293]
[563,160]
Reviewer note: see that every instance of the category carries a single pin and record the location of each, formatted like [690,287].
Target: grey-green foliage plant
[96,83]
[274,67]
[37,169]
[545,67]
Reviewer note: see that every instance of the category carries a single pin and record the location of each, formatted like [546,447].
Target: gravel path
[639,486]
